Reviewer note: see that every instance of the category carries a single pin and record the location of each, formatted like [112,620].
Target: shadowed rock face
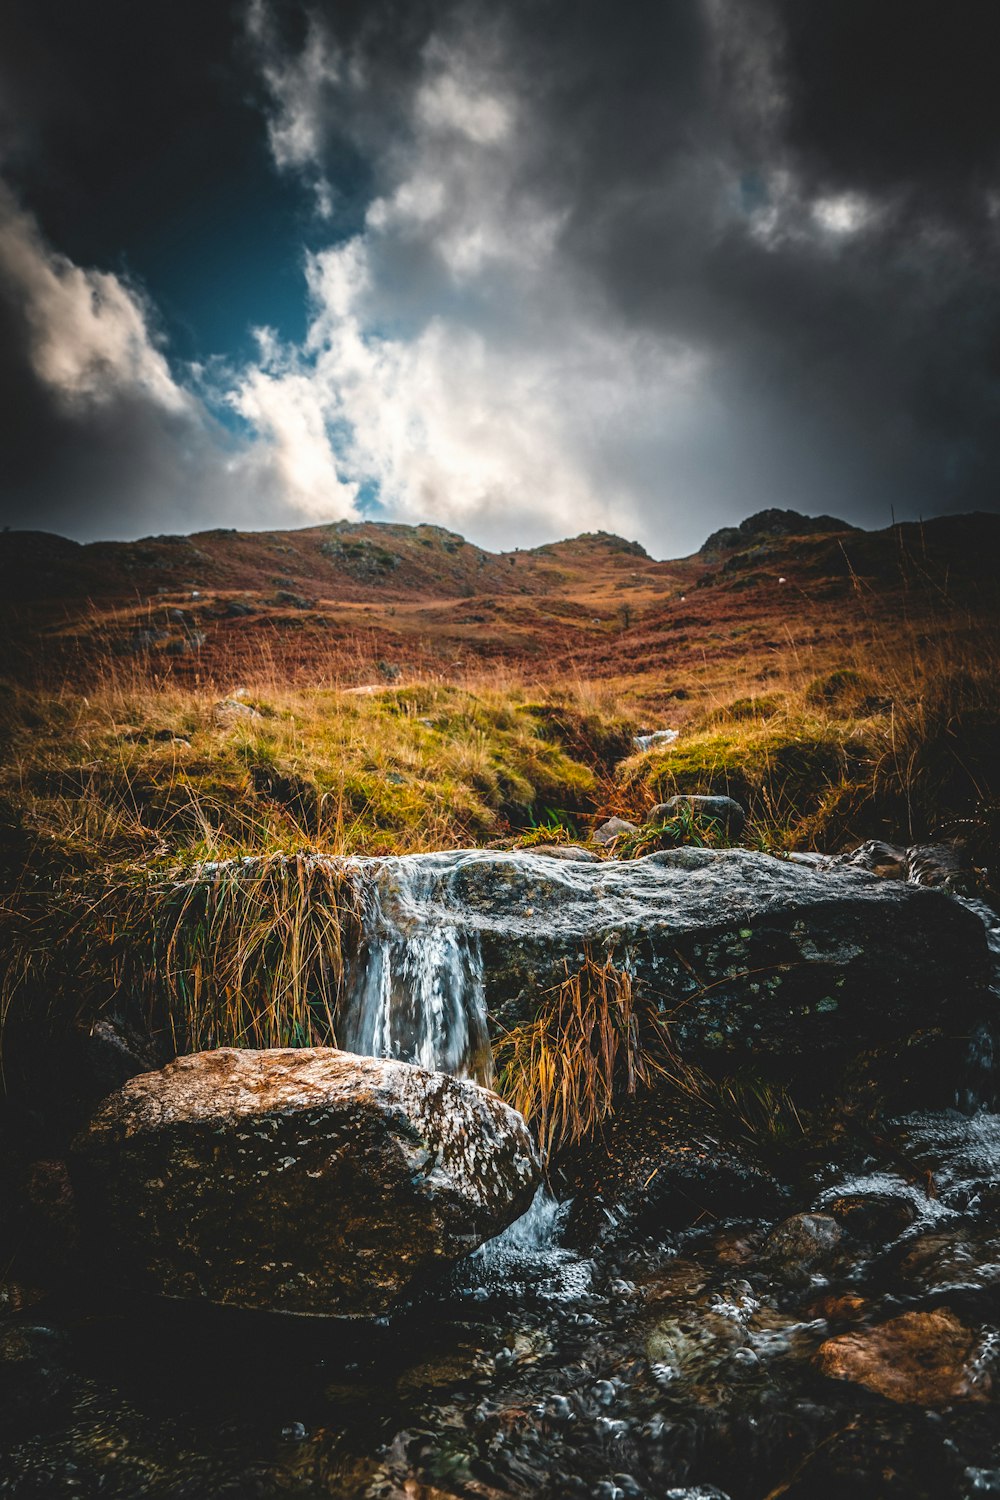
[307,1180]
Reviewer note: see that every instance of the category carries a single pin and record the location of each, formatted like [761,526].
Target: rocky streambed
[712,1308]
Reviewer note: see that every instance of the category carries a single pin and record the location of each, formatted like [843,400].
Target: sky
[522,268]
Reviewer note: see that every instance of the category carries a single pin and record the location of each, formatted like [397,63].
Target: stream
[679,1365]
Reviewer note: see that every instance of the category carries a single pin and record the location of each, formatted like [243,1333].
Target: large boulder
[301,1180]
[762,965]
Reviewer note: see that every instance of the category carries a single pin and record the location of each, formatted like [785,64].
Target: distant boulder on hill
[770,523]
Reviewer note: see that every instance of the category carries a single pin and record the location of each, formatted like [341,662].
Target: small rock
[725,811]
[887,860]
[950,1263]
[941,866]
[230,710]
[802,1242]
[612,830]
[877,1217]
[924,1358]
[292,600]
[845,1307]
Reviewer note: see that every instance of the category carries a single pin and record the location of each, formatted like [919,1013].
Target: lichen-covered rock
[301,1180]
[761,964]
[923,1358]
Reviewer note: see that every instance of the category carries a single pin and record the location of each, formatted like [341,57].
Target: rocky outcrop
[307,1181]
[763,963]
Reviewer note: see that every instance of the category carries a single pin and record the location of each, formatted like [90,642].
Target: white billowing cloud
[286,410]
[113,439]
[489,414]
[87,332]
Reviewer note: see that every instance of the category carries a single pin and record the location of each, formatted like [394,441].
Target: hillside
[361,603]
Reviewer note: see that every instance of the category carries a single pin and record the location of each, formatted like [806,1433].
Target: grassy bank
[106,792]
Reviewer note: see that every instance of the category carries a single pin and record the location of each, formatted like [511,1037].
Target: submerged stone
[800,1245]
[923,1358]
[302,1180]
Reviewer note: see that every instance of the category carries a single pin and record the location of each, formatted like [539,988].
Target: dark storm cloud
[807,194]
[656,264]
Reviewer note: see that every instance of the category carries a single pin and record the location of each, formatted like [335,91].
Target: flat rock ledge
[302,1180]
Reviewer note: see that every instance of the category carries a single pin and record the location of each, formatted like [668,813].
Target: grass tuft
[593,1039]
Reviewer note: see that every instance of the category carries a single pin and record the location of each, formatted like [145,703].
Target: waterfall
[417,991]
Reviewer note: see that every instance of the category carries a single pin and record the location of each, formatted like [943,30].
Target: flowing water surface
[678,1366]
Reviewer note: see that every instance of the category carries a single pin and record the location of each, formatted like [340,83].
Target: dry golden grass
[593,1040]
[108,797]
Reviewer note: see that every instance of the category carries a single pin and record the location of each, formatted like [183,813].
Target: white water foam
[417,991]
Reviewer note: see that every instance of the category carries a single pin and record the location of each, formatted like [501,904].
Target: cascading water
[673,1362]
[417,991]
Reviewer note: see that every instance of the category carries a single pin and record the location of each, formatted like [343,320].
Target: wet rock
[945,866]
[726,812]
[658,1165]
[875,1217]
[840,1307]
[305,1180]
[766,963]
[613,829]
[801,1244]
[923,1358]
[573,852]
[942,866]
[958,1263]
[878,858]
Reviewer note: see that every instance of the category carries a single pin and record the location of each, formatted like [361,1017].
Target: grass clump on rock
[594,1039]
